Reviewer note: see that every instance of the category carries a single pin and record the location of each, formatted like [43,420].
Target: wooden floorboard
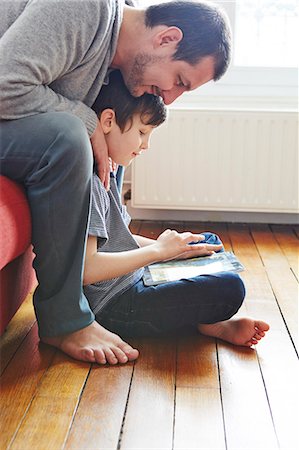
[244,400]
[150,411]
[184,392]
[50,413]
[276,352]
[282,279]
[198,423]
[16,331]
[99,417]
[198,397]
[289,244]
[19,384]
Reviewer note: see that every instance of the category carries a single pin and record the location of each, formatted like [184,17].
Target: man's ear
[171,36]
[107,120]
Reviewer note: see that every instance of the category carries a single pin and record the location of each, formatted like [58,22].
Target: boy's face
[124,146]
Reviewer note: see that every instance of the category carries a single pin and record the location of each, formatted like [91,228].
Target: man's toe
[87,355]
[100,356]
[110,356]
[121,356]
[131,352]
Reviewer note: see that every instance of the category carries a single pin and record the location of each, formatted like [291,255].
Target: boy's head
[127,121]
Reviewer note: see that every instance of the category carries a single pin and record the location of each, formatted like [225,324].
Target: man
[55,56]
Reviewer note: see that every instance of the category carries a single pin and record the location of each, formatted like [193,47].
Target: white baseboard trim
[212,216]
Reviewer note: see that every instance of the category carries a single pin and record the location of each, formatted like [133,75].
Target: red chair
[17,276]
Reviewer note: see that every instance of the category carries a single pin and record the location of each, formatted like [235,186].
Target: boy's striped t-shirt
[109,222]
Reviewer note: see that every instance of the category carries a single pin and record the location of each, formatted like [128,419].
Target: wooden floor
[184,393]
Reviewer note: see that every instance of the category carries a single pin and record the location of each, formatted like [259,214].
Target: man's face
[166,77]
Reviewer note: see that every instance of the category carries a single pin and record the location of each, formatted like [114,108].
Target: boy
[115,258]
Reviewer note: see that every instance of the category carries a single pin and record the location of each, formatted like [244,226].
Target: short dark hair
[116,96]
[205,27]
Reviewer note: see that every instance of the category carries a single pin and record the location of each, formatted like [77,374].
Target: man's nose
[170,95]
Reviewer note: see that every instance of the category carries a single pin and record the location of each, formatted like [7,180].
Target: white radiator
[220,160]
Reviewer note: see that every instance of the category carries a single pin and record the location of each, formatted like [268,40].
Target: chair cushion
[17,279]
[15,221]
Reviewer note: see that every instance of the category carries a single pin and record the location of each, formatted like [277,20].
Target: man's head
[127,121]
[184,44]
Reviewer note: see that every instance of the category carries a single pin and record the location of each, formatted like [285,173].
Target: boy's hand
[203,249]
[100,152]
[172,244]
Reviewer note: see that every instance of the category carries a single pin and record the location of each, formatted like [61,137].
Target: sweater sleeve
[46,42]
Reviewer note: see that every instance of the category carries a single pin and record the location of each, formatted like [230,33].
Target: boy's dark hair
[116,96]
[206,31]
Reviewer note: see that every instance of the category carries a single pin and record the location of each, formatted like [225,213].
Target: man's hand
[100,152]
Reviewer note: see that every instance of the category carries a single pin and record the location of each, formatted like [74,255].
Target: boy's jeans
[51,155]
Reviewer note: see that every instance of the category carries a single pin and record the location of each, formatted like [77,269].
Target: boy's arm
[100,266]
[143,241]
[204,250]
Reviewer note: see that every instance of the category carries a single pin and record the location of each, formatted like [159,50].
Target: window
[266,33]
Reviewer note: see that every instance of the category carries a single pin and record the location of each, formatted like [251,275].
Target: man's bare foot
[245,331]
[94,344]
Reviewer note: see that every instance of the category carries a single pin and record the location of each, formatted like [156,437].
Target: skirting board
[212,216]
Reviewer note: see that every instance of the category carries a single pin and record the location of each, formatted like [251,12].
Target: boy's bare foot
[245,331]
[94,344]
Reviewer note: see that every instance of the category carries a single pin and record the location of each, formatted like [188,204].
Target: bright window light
[266,33]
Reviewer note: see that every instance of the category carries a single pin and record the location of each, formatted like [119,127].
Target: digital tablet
[164,272]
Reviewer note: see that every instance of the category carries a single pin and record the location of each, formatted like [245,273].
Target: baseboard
[212,216]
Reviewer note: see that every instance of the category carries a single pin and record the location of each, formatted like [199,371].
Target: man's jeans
[166,308]
[51,155]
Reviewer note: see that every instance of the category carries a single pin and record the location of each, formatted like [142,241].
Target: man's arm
[48,41]
[100,153]
[45,42]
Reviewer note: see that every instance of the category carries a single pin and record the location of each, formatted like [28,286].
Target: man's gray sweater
[55,54]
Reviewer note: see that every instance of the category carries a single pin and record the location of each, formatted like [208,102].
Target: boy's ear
[107,120]
[170,37]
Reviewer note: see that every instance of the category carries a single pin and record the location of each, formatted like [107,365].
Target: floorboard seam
[125,411]
[76,408]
